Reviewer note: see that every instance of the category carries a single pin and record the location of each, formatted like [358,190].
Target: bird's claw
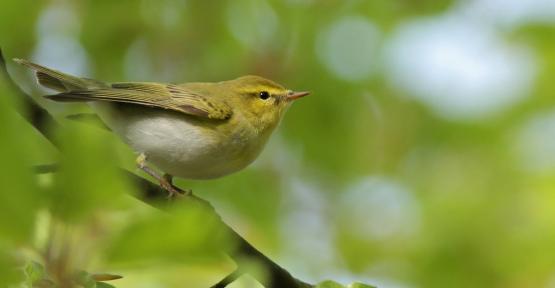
[165,180]
[173,191]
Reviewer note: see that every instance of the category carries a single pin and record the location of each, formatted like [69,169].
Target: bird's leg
[164,180]
[166,183]
[168,180]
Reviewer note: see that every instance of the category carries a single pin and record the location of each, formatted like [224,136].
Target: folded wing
[158,95]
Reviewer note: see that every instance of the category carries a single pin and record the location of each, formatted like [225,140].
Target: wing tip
[20,61]
[72,96]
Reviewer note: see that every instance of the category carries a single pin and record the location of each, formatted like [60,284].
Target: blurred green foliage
[184,240]
[76,193]
[20,196]
[9,274]
[452,201]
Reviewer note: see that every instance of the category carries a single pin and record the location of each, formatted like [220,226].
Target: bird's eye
[264,95]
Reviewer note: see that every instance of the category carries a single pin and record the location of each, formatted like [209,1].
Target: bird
[196,130]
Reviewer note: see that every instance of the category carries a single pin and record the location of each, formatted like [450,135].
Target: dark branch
[228,279]
[154,195]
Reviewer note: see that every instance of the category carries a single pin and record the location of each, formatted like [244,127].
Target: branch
[228,280]
[155,196]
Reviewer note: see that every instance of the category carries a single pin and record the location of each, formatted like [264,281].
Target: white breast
[182,145]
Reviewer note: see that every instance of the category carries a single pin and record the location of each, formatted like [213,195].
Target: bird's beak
[292,95]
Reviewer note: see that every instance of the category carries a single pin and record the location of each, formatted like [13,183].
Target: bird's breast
[185,146]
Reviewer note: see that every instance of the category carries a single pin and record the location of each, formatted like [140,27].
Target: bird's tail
[59,81]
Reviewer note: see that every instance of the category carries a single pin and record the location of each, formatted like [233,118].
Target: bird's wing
[166,96]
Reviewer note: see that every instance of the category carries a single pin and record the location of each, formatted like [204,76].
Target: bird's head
[261,101]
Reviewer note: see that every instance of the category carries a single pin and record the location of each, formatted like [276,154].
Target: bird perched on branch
[191,130]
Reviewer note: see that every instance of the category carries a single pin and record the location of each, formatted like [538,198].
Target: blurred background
[425,156]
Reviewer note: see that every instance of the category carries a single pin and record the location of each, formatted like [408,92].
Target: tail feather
[50,82]
[59,81]
[72,96]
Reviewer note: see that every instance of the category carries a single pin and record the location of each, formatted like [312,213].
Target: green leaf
[19,195]
[360,285]
[104,285]
[34,272]
[84,279]
[189,232]
[88,179]
[329,284]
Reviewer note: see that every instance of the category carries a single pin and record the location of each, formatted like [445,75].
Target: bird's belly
[184,146]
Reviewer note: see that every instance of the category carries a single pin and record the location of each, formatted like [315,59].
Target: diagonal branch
[154,195]
[228,279]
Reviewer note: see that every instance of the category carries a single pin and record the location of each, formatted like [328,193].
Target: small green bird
[191,130]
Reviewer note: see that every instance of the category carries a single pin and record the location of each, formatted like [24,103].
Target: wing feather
[166,96]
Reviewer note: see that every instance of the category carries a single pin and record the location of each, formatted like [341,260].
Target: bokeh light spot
[460,70]
[536,143]
[514,13]
[254,23]
[58,44]
[380,208]
[349,48]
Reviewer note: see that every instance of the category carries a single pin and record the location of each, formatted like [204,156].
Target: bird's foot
[173,191]
[165,180]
